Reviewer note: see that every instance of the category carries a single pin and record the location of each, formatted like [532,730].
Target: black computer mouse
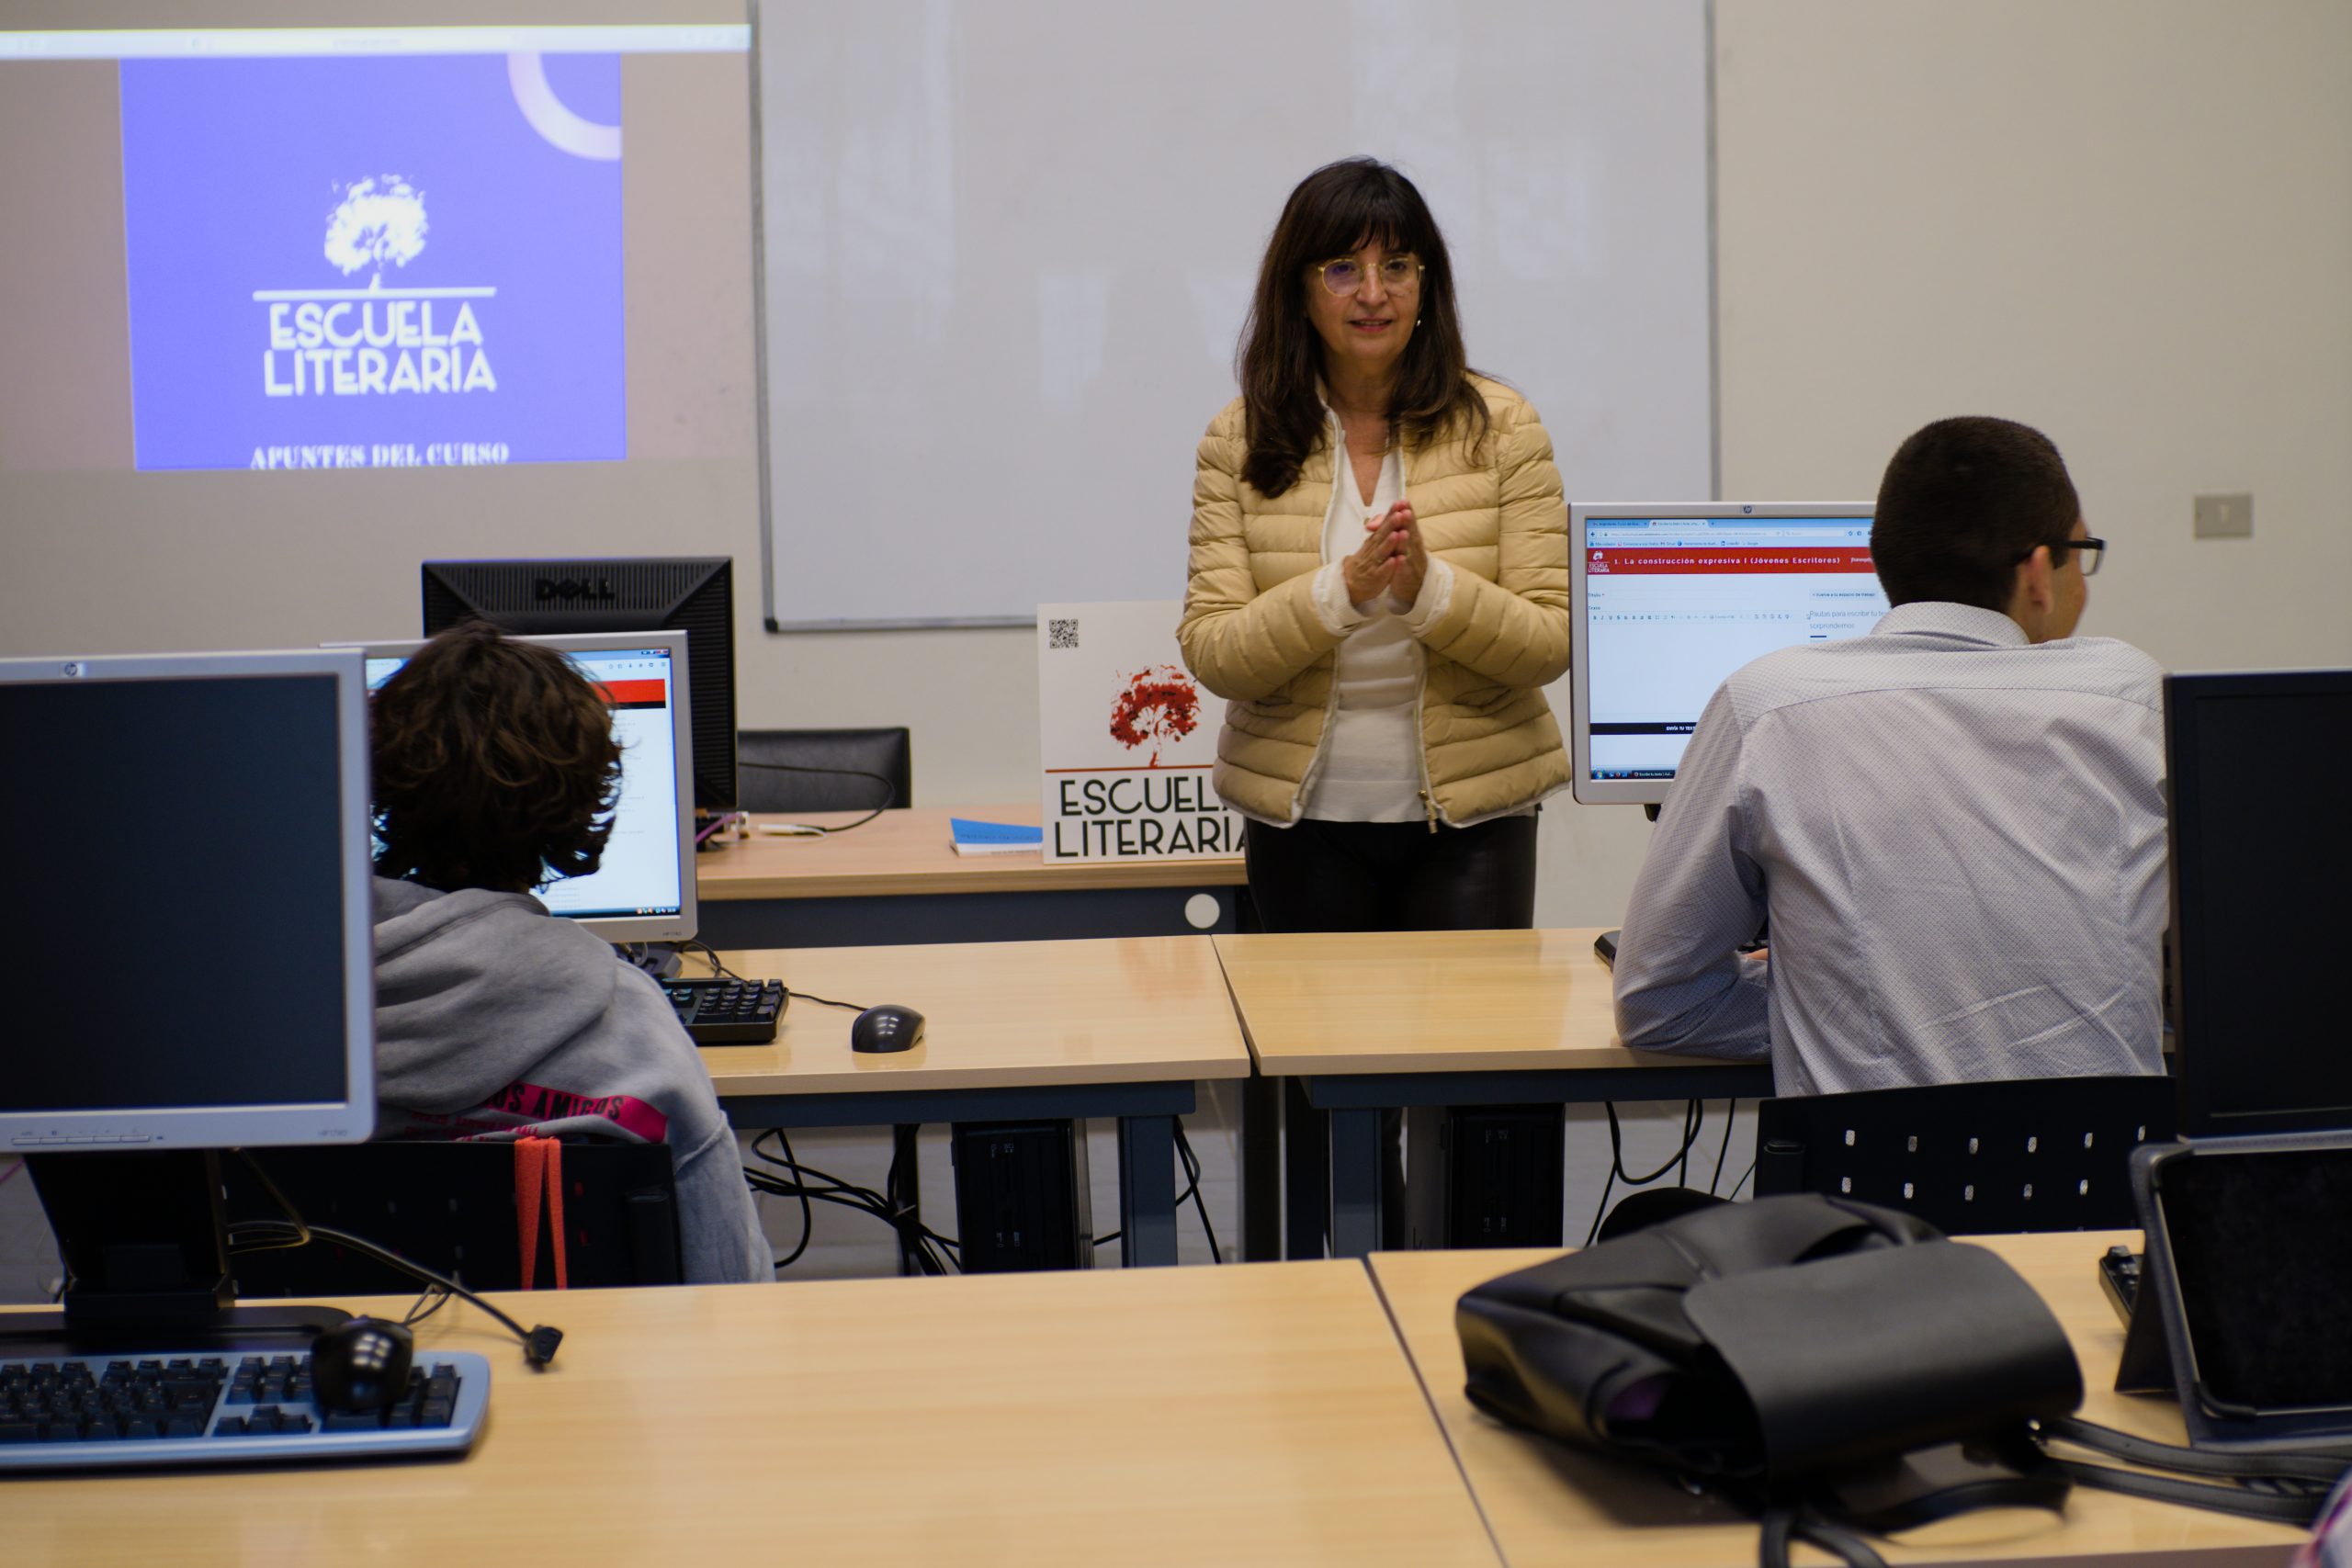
[887,1027]
[362,1364]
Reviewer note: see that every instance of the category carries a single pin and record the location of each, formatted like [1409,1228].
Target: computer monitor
[644,890]
[193,830]
[2259,766]
[1669,599]
[693,594]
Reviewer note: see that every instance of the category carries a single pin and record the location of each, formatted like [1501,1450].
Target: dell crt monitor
[2259,769]
[1669,599]
[194,828]
[644,889]
[692,594]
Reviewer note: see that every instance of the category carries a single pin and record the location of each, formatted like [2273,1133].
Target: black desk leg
[905,1197]
[1306,1172]
[1147,1190]
[1355,1182]
[1262,1175]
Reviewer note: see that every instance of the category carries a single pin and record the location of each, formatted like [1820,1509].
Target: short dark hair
[1963,502]
[1337,210]
[495,765]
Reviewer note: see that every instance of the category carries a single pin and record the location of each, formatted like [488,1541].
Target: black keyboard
[727,1012]
[73,1412]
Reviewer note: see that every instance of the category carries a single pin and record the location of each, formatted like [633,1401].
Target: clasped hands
[1391,563]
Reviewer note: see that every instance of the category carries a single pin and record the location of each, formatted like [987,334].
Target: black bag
[1824,1364]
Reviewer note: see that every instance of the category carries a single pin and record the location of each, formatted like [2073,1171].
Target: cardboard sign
[1127,739]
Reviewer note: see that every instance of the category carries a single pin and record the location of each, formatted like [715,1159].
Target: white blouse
[1371,769]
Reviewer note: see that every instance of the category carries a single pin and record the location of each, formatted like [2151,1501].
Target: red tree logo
[1159,705]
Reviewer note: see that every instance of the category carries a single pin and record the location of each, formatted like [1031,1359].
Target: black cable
[1743,1179]
[1694,1113]
[1731,1116]
[890,790]
[808,1214]
[847,1194]
[1193,1172]
[539,1341]
[929,1260]
[1608,1184]
[1617,1145]
[824,1001]
[420,1311]
[718,967]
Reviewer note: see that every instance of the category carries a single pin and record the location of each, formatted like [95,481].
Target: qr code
[1061,633]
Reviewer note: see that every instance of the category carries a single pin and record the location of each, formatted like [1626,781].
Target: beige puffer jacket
[1250,634]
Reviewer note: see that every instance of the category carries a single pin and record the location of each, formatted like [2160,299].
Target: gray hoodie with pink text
[495,1019]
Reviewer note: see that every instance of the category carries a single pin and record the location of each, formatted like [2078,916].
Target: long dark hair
[1337,210]
[495,765]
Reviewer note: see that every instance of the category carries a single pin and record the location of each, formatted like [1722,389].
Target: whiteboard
[1006,247]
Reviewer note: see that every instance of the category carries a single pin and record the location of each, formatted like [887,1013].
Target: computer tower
[1485,1175]
[1022,1196]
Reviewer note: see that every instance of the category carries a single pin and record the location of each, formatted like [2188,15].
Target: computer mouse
[887,1027]
[362,1364]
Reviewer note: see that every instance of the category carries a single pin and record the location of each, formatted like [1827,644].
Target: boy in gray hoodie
[494,772]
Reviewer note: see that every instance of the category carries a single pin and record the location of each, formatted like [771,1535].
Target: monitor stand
[659,959]
[146,1256]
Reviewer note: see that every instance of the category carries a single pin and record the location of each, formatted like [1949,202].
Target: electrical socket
[2224,517]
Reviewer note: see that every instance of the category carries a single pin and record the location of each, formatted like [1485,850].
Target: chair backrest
[451,1207]
[888,754]
[2020,1155]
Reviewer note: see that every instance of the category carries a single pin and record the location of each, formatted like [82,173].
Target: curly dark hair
[1337,210]
[1963,502]
[495,765]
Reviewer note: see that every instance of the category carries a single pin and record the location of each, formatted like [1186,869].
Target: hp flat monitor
[644,890]
[1669,599]
[194,829]
[2258,768]
[692,594]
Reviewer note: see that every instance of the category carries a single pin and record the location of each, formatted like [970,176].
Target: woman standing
[1381,626]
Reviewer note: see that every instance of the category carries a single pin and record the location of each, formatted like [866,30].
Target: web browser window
[639,875]
[1673,606]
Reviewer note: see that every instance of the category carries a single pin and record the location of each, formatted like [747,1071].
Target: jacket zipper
[1422,746]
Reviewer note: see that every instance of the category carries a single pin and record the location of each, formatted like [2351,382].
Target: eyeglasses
[1344,275]
[2094,551]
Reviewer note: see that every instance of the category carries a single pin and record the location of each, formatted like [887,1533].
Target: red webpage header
[1807,558]
[645,693]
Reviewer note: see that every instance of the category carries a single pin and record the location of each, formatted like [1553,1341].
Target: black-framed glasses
[1344,275]
[2094,551]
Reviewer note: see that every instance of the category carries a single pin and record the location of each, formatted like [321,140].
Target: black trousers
[1392,876]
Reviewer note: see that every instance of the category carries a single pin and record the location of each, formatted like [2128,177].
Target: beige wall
[2123,220]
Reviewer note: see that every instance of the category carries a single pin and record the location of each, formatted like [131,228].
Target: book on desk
[976,838]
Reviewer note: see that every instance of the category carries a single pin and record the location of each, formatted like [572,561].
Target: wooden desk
[899,879]
[1235,1415]
[1549,1505]
[1123,1027]
[1359,1024]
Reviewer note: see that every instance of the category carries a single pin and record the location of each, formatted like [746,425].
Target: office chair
[452,1207]
[1969,1158]
[888,753]
[2021,1155]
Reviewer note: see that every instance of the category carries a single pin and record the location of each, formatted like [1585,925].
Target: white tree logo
[381,220]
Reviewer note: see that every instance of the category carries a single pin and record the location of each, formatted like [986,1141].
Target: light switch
[2225,516]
